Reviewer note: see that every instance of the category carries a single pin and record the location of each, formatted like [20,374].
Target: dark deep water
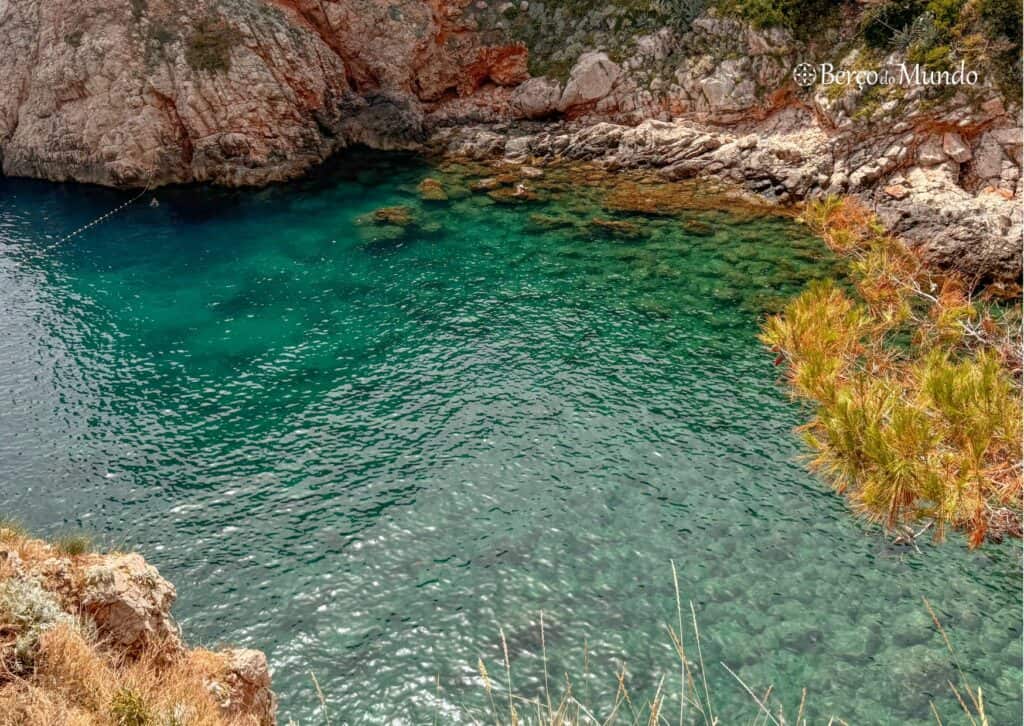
[364,450]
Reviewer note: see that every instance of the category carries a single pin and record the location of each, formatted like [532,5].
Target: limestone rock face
[930,153]
[111,97]
[730,87]
[149,92]
[955,148]
[126,606]
[988,161]
[162,91]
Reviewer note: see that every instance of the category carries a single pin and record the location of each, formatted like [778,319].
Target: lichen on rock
[26,612]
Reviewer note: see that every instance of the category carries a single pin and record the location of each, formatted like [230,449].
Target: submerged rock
[553,221]
[652,199]
[485,185]
[697,228]
[616,227]
[398,215]
[513,195]
[431,190]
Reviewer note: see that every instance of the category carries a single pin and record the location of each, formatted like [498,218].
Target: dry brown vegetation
[75,680]
[914,378]
[57,669]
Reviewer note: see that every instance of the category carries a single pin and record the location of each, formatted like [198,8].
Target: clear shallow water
[364,453]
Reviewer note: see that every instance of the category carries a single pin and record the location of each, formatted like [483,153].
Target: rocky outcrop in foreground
[89,638]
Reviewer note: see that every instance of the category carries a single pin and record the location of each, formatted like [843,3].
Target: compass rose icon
[804,75]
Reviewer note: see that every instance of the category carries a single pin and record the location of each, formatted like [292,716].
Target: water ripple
[366,460]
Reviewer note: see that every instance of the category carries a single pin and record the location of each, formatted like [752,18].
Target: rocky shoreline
[922,201]
[85,634]
[249,92]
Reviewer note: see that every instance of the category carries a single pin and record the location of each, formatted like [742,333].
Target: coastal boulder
[130,603]
[590,80]
[730,87]
[242,689]
[536,98]
[955,148]
[930,153]
[989,158]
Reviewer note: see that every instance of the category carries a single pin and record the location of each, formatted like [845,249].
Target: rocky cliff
[135,92]
[149,92]
[89,639]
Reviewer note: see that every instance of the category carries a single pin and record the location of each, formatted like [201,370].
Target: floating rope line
[104,217]
[100,218]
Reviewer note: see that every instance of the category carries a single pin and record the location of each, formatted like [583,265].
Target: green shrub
[209,47]
[162,36]
[760,13]
[28,611]
[935,33]
[1002,25]
[128,708]
[74,544]
[139,8]
[915,408]
[945,12]
[800,16]
[678,13]
[1003,18]
[882,22]
[937,58]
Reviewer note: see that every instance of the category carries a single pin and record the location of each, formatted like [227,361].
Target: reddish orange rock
[504,65]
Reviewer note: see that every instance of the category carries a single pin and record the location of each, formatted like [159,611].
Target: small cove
[364,448]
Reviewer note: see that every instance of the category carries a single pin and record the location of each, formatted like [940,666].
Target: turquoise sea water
[364,449]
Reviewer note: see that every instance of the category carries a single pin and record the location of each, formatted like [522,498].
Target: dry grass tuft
[70,665]
[74,545]
[56,671]
[77,680]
